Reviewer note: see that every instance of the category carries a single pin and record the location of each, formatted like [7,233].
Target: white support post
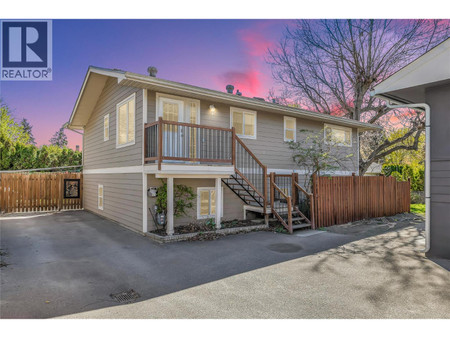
[169,226]
[144,204]
[218,202]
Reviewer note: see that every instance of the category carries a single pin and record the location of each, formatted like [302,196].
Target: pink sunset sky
[206,53]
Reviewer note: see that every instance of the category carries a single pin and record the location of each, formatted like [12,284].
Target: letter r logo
[24,44]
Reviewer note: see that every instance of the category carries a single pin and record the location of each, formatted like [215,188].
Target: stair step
[296,219]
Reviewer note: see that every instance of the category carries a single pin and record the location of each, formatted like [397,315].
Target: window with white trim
[206,202]
[290,127]
[341,136]
[106,127]
[244,122]
[100,196]
[125,122]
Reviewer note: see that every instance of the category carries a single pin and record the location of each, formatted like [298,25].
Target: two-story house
[140,129]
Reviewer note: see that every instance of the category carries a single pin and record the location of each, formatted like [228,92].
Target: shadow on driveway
[71,262]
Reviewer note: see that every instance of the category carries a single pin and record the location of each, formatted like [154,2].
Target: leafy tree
[183,198]
[405,165]
[59,138]
[330,66]
[17,152]
[317,154]
[27,128]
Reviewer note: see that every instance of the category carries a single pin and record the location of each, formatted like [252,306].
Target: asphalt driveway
[69,263]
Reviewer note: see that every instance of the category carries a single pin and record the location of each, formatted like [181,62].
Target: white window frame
[125,101]
[199,189]
[102,197]
[294,130]
[171,98]
[346,129]
[106,118]
[246,111]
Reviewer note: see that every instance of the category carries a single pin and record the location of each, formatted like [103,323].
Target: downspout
[427,164]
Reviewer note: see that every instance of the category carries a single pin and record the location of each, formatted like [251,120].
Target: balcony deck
[168,142]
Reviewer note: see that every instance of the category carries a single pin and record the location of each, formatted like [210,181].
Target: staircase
[250,183]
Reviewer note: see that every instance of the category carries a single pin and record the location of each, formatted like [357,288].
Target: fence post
[314,205]
[265,186]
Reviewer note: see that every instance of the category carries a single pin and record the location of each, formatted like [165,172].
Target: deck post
[218,202]
[170,209]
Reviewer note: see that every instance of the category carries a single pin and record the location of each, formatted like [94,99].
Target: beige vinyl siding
[269,145]
[104,154]
[232,206]
[122,197]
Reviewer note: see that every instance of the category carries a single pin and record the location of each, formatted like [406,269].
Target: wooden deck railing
[186,142]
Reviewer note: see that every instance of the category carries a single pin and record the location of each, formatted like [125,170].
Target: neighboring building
[140,129]
[425,84]
[375,169]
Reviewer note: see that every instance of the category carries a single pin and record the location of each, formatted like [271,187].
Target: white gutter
[426,107]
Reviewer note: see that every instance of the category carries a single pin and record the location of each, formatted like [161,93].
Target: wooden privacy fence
[23,192]
[342,199]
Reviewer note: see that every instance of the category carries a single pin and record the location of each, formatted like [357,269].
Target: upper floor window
[125,121]
[290,127]
[106,127]
[244,122]
[341,136]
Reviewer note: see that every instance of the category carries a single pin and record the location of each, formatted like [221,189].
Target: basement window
[206,202]
[100,197]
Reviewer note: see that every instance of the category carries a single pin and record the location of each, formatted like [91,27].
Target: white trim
[185,104]
[102,197]
[170,207]
[199,202]
[188,169]
[345,129]
[115,170]
[144,204]
[244,111]
[106,118]
[125,101]
[303,172]
[285,118]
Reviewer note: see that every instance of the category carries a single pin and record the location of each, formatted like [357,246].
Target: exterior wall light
[212,108]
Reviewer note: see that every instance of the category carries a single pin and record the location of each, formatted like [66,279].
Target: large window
[126,122]
[341,136]
[100,197]
[290,126]
[206,202]
[244,122]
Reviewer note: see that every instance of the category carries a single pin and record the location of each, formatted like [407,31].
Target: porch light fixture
[212,108]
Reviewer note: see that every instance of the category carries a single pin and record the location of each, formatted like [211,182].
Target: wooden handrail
[249,151]
[303,190]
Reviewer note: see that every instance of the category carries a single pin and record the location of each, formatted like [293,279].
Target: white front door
[179,141]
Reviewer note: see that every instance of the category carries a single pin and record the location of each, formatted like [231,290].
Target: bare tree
[330,66]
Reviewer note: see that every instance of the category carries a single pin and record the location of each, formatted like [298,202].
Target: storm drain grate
[125,296]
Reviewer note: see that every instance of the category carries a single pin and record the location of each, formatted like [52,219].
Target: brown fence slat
[343,199]
[25,192]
